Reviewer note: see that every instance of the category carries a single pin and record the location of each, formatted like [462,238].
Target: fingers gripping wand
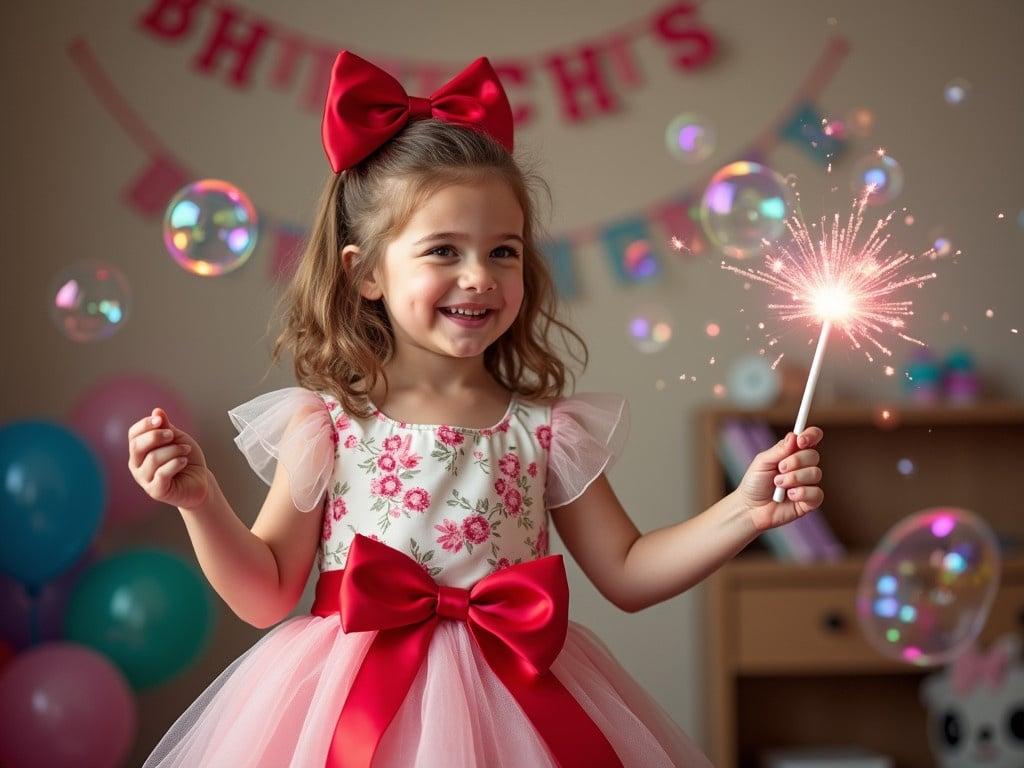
[805,402]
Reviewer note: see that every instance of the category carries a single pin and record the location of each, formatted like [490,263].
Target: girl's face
[461,249]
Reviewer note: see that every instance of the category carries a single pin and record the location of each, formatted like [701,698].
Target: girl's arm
[260,573]
[635,571]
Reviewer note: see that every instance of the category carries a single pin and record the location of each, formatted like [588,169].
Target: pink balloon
[63,705]
[102,416]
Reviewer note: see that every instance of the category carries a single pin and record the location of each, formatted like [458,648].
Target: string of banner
[235,44]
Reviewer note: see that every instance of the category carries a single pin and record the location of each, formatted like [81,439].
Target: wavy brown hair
[339,340]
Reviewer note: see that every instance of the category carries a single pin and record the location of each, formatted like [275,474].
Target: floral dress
[464,504]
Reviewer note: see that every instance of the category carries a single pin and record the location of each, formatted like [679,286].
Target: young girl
[420,463]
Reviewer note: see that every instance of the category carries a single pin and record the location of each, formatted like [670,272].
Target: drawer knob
[833,621]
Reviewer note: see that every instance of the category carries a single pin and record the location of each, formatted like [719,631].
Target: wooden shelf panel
[966,457]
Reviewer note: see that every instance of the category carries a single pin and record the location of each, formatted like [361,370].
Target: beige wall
[66,163]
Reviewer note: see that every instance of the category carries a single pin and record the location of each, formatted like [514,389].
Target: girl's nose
[478,278]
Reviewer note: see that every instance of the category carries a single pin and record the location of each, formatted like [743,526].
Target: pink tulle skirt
[276,706]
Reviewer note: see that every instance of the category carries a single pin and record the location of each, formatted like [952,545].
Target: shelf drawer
[808,629]
[801,629]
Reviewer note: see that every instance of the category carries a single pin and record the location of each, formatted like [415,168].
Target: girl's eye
[446,250]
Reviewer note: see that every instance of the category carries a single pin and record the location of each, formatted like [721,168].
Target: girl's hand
[792,463]
[166,462]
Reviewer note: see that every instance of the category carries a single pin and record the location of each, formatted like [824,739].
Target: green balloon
[147,610]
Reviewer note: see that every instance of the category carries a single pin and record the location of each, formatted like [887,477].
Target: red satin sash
[518,617]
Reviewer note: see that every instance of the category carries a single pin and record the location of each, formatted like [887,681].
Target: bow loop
[366,106]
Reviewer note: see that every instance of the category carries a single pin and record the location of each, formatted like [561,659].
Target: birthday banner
[634,244]
[248,50]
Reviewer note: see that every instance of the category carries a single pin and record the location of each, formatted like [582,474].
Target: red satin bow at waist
[518,617]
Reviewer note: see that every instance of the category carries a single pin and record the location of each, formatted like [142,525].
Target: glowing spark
[827,276]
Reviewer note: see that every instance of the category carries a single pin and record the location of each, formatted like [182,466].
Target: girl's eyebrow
[462,236]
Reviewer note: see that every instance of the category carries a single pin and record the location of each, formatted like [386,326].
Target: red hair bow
[366,106]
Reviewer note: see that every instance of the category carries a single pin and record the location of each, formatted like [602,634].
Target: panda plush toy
[976,709]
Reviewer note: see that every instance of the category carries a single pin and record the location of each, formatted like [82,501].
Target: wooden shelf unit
[788,665]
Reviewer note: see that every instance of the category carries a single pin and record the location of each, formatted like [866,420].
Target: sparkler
[831,279]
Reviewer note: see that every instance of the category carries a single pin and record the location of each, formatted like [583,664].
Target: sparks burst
[830,278]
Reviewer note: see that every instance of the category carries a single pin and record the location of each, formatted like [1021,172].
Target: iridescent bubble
[744,204]
[210,227]
[905,467]
[690,138]
[91,301]
[882,173]
[638,260]
[650,328]
[941,245]
[956,90]
[860,122]
[927,589]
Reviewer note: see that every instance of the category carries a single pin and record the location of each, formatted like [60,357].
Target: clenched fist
[167,462]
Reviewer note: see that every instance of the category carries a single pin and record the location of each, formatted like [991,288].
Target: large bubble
[210,227]
[926,590]
[743,205]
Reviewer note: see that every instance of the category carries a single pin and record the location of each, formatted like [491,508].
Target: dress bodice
[462,502]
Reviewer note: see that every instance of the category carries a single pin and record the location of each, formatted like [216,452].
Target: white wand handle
[805,403]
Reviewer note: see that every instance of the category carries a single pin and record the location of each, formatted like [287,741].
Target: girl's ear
[369,288]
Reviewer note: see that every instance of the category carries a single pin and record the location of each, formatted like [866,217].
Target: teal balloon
[52,497]
[147,610]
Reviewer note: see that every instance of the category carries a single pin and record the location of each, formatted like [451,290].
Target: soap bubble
[690,138]
[91,301]
[882,173]
[210,227]
[956,90]
[650,328]
[744,204]
[926,590]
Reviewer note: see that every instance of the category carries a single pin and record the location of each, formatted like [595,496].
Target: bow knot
[366,107]
[453,603]
[419,108]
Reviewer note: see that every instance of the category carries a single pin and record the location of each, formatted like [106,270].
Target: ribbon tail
[380,687]
[570,734]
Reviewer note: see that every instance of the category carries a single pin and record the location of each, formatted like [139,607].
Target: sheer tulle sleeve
[292,426]
[588,433]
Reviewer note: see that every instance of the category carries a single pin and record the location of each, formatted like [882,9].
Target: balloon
[64,706]
[6,654]
[49,602]
[51,500]
[102,416]
[927,589]
[147,610]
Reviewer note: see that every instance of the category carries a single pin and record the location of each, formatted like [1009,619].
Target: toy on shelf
[976,708]
[961,382]
[923,382]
